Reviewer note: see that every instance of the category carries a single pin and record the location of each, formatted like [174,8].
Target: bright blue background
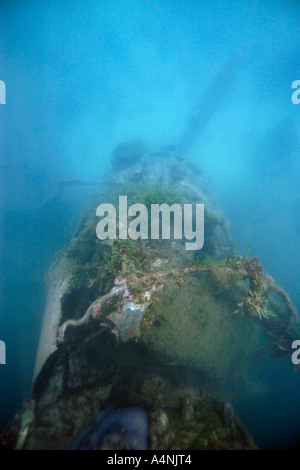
[82,76]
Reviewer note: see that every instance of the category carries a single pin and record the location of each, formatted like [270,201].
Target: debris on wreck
[146,324]
[145,328]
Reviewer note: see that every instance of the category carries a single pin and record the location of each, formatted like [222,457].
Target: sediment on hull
[51,320]
[148,324]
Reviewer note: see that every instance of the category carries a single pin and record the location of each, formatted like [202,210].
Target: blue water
[81,77]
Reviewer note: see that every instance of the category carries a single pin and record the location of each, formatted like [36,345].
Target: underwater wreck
[142,340]
[149,327]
